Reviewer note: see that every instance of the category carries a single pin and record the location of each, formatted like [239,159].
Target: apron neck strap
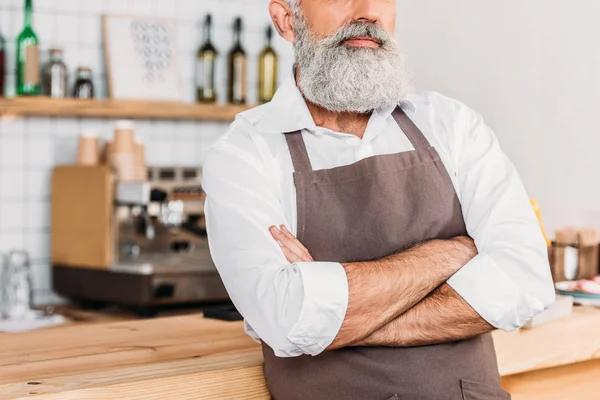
[298,151]
[409,128]
[299,154]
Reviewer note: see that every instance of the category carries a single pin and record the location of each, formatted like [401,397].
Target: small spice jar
[55,75]
[84,87]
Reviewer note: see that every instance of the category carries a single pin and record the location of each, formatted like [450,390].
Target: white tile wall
[31,147]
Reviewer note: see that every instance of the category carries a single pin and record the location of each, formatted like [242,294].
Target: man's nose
[365,11]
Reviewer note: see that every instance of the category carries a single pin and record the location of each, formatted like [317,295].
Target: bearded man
[371,237]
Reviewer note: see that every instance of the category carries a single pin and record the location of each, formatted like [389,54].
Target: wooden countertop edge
[102,382]
[210,385]
[238,369]
[562,342]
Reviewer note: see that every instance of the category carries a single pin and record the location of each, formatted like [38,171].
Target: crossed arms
[428,311]
[438,291]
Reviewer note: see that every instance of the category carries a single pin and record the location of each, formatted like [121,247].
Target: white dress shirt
[299,308]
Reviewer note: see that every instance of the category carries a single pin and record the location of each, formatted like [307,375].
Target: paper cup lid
[124,125]
[89,133]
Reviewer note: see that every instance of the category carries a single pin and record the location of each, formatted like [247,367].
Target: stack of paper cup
[88,152]
[106,153]
[140,161]
[122,155]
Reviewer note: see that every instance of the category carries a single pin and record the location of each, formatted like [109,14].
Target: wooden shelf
[48,107]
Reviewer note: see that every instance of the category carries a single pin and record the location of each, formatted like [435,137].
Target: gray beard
[342,78]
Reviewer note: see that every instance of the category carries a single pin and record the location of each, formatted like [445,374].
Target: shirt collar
[288,112]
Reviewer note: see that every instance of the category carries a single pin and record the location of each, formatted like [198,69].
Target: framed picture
[142,60]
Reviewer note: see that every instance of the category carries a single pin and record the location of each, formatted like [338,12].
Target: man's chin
[344,106]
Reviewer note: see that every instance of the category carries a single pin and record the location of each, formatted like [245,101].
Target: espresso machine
[138,244]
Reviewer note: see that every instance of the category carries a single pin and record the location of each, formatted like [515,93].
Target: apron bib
[365,211]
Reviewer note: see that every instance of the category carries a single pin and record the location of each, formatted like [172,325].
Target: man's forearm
[380,291]
[443,316]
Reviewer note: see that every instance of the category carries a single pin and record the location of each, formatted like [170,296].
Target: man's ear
[283,19]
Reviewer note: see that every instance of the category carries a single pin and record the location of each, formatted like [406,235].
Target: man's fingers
[291,244]
[288,234]
[290,255]
[286,241]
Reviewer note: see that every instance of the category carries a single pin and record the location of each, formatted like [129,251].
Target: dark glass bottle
[267,70]
[236,84]
[55,76]
[205,67]
[84,87]
[28,57]
[2,65]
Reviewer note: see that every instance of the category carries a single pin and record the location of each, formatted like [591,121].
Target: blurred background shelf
[45,106]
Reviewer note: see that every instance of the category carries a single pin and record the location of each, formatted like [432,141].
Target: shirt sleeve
[509,281]
[294,308]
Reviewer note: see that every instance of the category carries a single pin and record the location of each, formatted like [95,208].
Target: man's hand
[292,248]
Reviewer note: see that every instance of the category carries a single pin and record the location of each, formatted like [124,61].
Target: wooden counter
[557,361]
[188,357]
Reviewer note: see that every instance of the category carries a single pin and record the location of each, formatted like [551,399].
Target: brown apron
[366,211]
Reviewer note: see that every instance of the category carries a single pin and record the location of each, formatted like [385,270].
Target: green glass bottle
[28,59]
[267,70]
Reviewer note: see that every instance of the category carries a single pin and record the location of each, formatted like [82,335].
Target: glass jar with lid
[84,87]
[55,75]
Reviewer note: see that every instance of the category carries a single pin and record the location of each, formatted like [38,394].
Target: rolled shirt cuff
[493,295]
[323,308]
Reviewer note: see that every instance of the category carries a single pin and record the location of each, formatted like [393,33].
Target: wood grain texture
[189,357]
[45,106]
[134,380]
[566,341]
[88,348]
[237,383]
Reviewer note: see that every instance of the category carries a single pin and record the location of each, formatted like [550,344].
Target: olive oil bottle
[205,67]
[237,62]
[267,70]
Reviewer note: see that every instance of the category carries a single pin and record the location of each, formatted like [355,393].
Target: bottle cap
[238,23]
[269,32]
[208,19]
[124,125]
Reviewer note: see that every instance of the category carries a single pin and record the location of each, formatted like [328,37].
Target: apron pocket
[481,391]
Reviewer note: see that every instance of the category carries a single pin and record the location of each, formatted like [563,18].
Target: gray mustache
[354,29]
